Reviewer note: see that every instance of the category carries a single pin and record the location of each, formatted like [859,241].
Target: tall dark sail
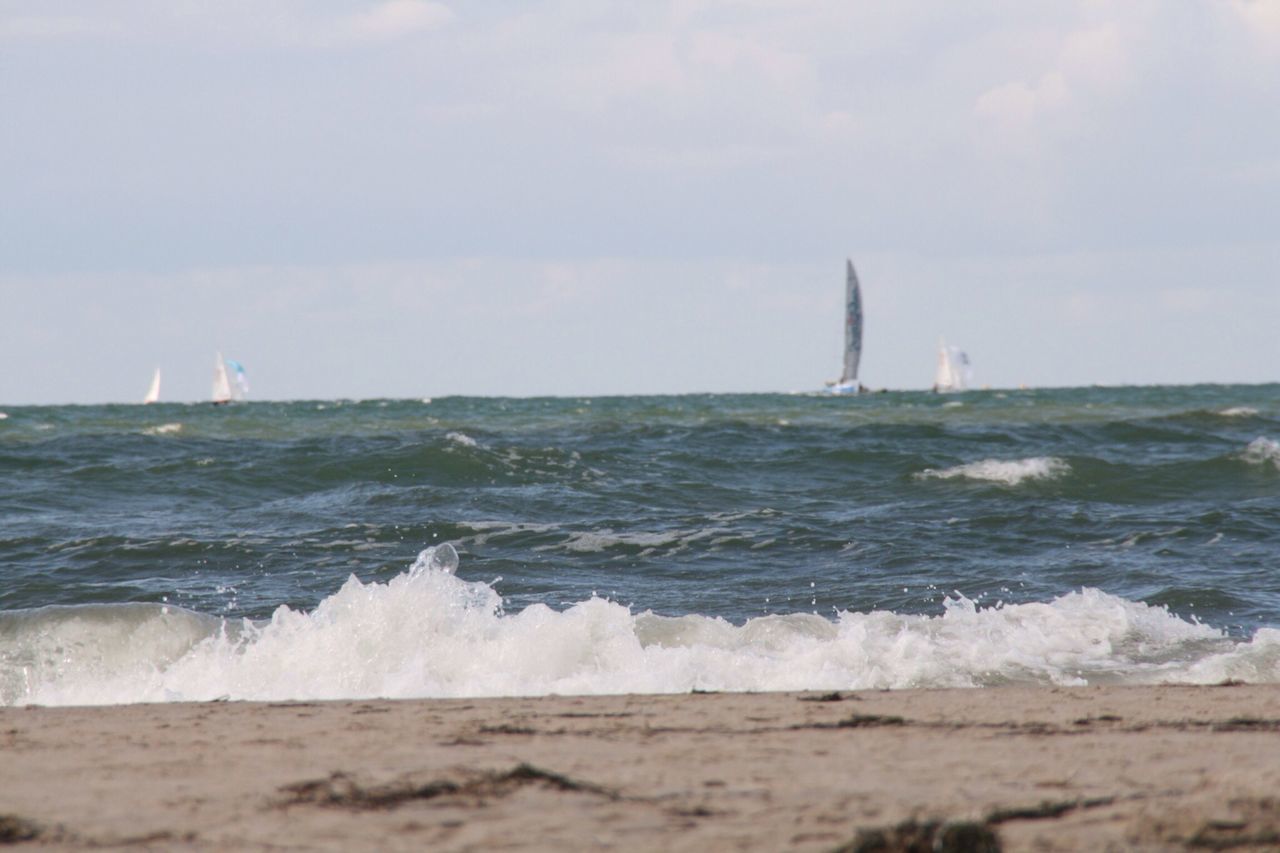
[852,327]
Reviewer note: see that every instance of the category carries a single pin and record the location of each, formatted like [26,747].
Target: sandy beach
[1163,767]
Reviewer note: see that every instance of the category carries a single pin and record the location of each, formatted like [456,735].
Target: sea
[466,547]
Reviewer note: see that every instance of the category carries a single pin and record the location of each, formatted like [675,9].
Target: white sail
[221,385]
[153,393]
[952,373]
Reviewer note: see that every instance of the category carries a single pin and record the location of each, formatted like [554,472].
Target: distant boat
[848,381]
[153,393]
[223,390]
[953,369]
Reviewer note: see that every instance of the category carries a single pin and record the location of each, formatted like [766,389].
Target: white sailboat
[224,391]
[848,381]
[153,392]
[221,384]
[953,371]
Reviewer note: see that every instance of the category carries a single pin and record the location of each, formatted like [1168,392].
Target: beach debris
[1046,809]
[959,836]
[859,721]
[1251,823]
[342,791]
[927,837]
[15,829]
[507,729]
[827,697]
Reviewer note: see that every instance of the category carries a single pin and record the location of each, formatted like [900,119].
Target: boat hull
[844,388]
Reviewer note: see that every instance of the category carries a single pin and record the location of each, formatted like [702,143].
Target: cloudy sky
[409,198]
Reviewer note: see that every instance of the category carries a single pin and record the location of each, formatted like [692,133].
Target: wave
[1009,472]
[429,633]
[643,543]
[1238,412]
[1262,451]
[461,438]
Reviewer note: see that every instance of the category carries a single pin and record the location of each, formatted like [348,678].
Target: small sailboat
[221,385]
[153,392]
[223,389]
[848,381]
[953,371]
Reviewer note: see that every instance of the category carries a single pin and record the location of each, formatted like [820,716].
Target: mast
[852,326]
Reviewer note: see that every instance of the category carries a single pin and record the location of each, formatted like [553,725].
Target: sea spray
[1008,472]
[428,633]
[1263,451]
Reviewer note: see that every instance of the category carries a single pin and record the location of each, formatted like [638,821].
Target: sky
[408,198]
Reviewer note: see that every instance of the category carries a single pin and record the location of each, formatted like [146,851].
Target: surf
[429,633]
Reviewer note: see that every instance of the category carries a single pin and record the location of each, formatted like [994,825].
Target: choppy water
[620,544]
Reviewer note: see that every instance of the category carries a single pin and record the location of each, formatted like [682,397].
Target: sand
[1158,768]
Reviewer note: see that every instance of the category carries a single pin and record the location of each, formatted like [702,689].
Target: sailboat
[223,390]
[221,384]
[953,371]
[848,381]
[153,393]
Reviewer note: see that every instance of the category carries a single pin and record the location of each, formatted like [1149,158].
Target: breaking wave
[1009,472]
[428,633]
[1262,451]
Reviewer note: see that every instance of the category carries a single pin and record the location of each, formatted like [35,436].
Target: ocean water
[479,547]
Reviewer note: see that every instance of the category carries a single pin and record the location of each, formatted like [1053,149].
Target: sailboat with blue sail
[953,372]
[224,391]
[848,381]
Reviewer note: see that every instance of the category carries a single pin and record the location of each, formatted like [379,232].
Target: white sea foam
[1262,451]
[595,541]
[427,632]
[1238,412]
[461,438]
[164,429]
[487,530]
[1010,472]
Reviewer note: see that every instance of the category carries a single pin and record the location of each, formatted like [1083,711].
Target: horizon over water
[466,546]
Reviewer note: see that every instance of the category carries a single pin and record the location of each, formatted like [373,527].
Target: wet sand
[1121,768]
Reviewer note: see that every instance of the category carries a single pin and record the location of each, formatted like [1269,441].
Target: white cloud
[1089,64]
[1015,105]
[393,19]
[1262,19]
[1096,57]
